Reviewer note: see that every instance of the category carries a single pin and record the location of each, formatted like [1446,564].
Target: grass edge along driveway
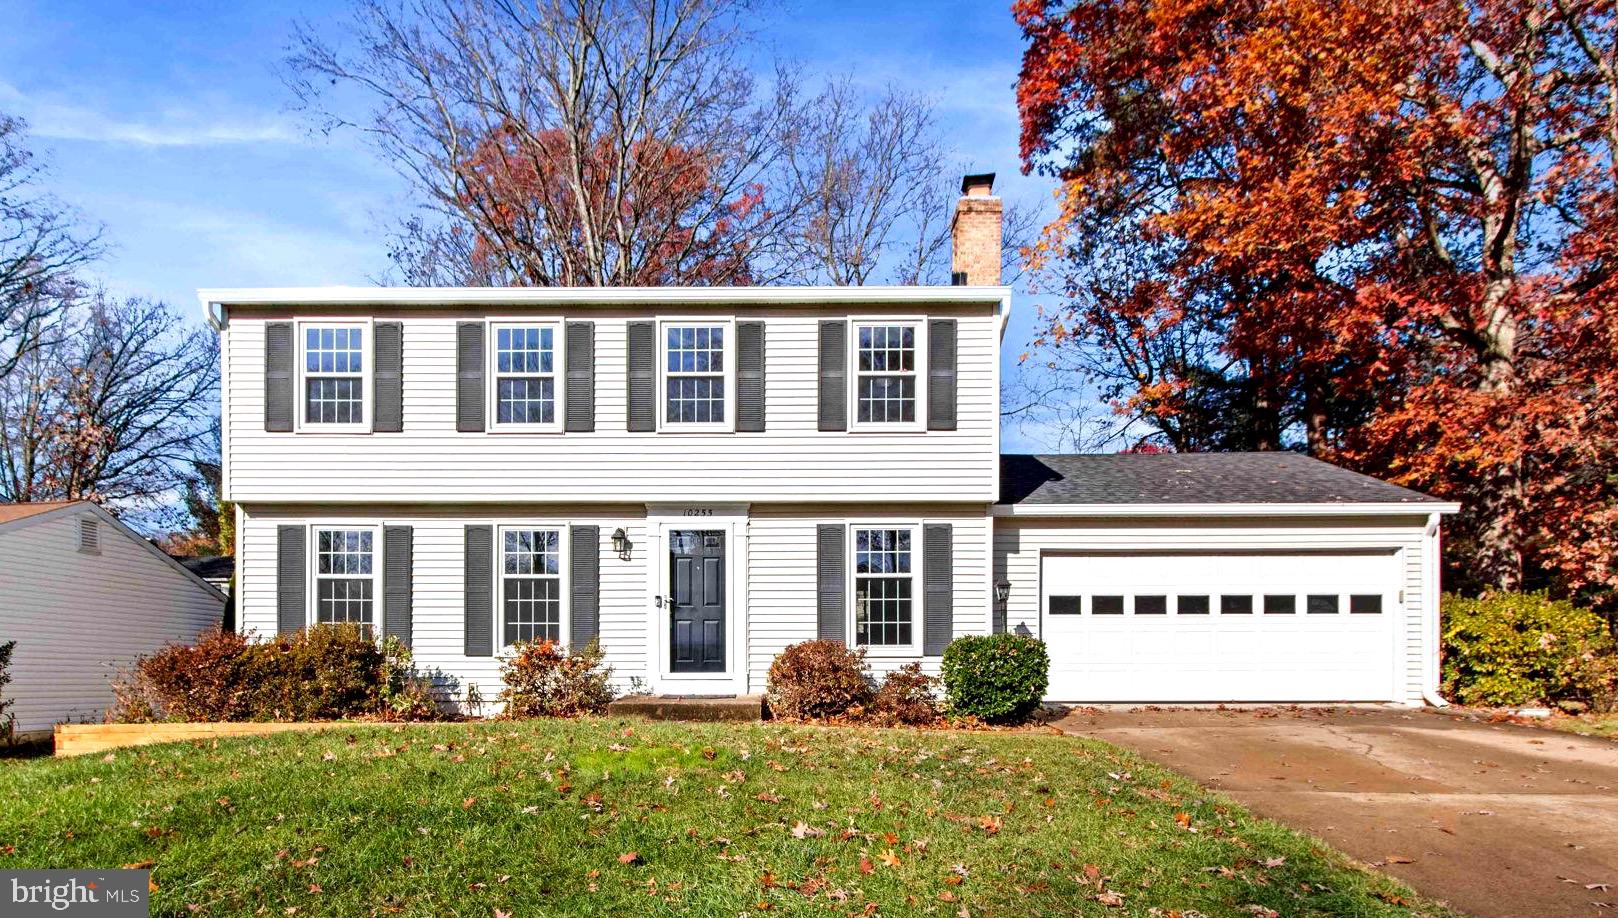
[613,816]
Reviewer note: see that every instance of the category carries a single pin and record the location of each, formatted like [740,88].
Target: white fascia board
[998,296]
[1215,509]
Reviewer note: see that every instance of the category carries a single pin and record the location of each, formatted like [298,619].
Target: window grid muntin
[334,374]
[345,575]
[884,587]
[525,376]
[886,384]
[694,373]
[531,584]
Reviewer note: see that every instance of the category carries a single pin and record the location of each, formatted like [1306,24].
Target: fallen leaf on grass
[631,857]
[805,830]
[141,865]
[1110,899]
[866,866]
[889,858]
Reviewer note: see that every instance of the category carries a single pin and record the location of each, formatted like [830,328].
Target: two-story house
[699,477]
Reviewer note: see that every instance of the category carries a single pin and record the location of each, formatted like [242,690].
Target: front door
[697,601]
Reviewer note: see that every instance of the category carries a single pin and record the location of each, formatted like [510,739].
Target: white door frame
[732,520]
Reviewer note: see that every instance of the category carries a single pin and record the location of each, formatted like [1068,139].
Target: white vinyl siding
[79,618]
[1020,544]
[792,461]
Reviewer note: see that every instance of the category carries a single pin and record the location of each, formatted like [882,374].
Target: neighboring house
[216,569]
[83,596]
[699,477]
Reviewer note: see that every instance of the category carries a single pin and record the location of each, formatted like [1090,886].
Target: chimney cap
[984,180]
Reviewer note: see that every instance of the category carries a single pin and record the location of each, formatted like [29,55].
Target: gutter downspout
[1429,684]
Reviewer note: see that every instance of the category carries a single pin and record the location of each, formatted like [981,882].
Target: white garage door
[1220,627]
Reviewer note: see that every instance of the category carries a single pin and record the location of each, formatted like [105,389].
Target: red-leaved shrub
[817,679]
[543,680]
[907,696]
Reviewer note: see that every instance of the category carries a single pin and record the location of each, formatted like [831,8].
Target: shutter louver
[581,377]
[941,374]
[938,588]
[279,397]
[397,579]
[470,397]
[387,377]
[831,582]
[642,376]
[834,375]
[750,377]
[479,591]
[584,600]
[291,579]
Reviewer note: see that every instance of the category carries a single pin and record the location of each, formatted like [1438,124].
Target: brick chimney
[975,233]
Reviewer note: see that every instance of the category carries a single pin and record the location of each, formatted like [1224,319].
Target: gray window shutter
[469,388]
[479,591]
[642,375]
[387,377]
[941,374]
[280,353]
[291,579]
[584,599]
[397,577]
[750,377]
[834,375]
[581,377]
[938,588]
[831,578]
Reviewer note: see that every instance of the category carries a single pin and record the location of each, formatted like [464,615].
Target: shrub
[327,672]
[817,679]
[8,721]
[995,677]
[1518,648]
[907,696]
[543,680]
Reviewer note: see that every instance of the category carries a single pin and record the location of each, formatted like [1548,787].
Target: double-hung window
[531,584]
[887,382]
[885,587]
[335,371]
[345,575]
[696,375]
[526,357]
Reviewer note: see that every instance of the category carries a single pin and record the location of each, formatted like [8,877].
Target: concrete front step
[730,708]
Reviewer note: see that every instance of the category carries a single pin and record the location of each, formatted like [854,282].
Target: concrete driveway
[1496,819]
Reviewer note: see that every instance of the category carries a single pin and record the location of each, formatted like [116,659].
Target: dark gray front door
[697,601]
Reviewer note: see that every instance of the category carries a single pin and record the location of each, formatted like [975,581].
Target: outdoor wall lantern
[1002,591]
[620,543]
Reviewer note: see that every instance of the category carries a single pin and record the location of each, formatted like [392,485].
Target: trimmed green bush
[996,677]
[1519,648]
[815,679]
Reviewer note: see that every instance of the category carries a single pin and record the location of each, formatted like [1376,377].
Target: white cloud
[176,128]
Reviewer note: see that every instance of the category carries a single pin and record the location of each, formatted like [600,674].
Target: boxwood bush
[1521,648]
[995,677]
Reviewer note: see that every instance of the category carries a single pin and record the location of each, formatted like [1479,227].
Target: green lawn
[629,818]
[1602,725]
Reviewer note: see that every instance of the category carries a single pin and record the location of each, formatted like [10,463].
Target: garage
[1219,577]
[1236,626]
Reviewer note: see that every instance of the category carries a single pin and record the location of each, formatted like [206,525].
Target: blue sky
[167,122]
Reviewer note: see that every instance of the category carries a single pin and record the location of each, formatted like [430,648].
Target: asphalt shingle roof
[1191,478]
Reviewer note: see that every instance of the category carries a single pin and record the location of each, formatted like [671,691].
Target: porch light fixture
[620,543]
[1002,591]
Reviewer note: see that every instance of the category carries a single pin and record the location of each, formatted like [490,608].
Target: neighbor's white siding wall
[781,599]
[792,461]
[1018,543]
[78,618]
[438,622]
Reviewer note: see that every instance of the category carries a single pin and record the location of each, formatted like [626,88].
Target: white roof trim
[1232,509]
[594,296]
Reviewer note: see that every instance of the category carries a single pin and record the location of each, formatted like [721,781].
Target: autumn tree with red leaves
[1384,233]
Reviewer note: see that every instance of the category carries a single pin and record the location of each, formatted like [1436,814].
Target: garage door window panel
[1322,604]
[1365,604]
[1151,605]
[1191,605]
[1107,605]
[1235,605]
[1280,604]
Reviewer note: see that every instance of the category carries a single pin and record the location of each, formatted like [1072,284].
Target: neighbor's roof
[1133,480]
[209,567]
[10,512]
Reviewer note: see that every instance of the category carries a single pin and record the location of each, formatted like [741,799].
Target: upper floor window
[886,380]
[525,375]
[884,588]
[531,584]
[345,575]
[696,375]
[334,375]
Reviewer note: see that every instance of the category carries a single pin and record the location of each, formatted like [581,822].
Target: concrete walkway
[1496,819]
